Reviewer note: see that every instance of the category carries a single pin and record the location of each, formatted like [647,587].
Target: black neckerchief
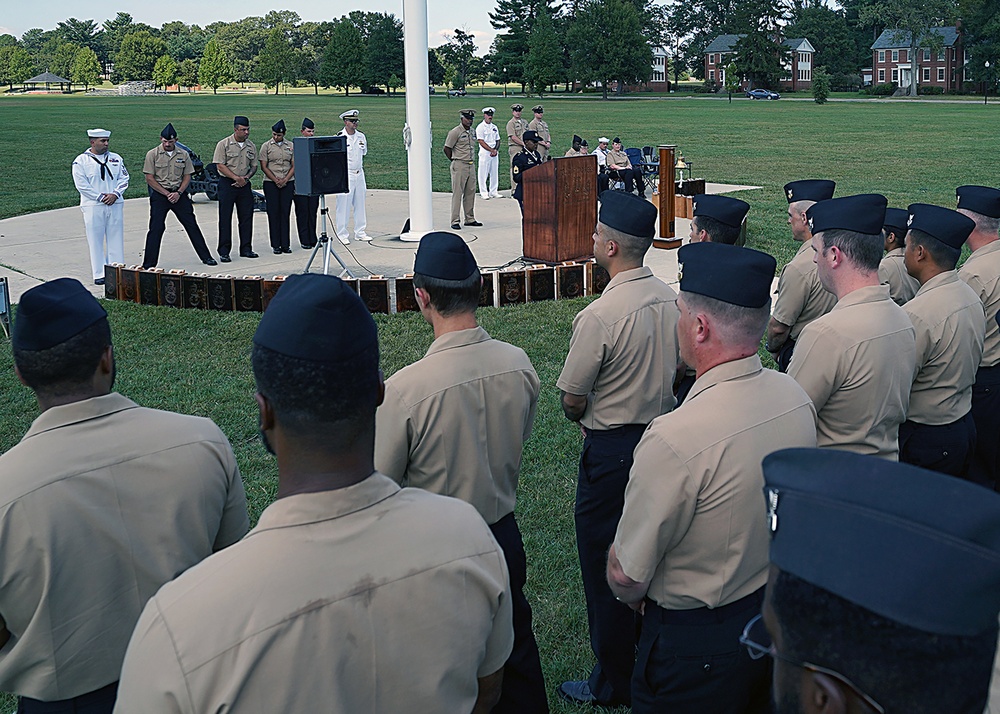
[102,164]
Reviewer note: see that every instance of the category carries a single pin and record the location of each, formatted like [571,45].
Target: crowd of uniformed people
[824,537]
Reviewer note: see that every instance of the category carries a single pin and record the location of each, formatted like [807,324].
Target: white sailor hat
[98,133]
[489,110]
[350,114]
[603,140]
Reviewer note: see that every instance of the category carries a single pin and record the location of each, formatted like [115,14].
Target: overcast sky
[443,16]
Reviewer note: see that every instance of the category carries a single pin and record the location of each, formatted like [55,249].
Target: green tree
[759,55]
[275,63]
[458,53]
[820,85]
[114,33]
[241,42]
[435,70]
[86,68]
[83,33]
[696,23]
[384,52]
[732,83]
[215,69]
[7,40]
[913,22]
[343,63]
[515,19]
[187,75]
[827,30]
[62,61]
[981,20]
[607,44]
[137,56]
[544,65]
[15,65]
[165,72]
[183,41]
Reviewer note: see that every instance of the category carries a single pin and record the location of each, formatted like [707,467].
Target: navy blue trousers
[100,701]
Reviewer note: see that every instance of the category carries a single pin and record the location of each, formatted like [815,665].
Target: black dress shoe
[248,254]
[224,258]
[210,261]
[472,223]
[577,692]
[276,251]
[306,247]
[456,226]
[99,281]
[286,250]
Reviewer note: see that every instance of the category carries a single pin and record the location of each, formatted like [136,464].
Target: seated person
[619,167]
[601,152]
[575,151]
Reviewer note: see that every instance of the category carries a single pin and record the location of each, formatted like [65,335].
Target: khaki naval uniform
[364,599]
[623,356]
[800,299]
[892,272]
[241,160]
[103,501]
[463,178]
[280,160]
[982,273]
[169,170]
[693,527]
[857,364]
[950,324]
[515,128]
[454,423]
[542,127]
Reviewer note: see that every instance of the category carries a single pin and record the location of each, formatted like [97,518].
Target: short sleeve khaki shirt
[857,363]
[618,158]
[366,598]
[455,422]
[950,326]
[982,273]
[278,157]
[801,298]
[693,524]
[623,352]
[515,128]
[241,160]
[892,272]
[170,169]
[103,501]
[461,140]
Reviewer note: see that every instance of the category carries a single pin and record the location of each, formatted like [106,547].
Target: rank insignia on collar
[789,194]
[909,221]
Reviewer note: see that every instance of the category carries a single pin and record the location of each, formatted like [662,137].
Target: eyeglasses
[755,634]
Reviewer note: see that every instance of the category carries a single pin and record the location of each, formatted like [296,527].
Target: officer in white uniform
[357,147]
[102,179]
[488,136]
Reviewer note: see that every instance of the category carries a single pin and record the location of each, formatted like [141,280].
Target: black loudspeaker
[320,165]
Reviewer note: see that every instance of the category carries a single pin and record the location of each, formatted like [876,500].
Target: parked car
[456,92]
[374,90]
[762,94]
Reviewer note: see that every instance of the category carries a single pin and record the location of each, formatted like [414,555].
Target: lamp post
[505,81]
[986,81]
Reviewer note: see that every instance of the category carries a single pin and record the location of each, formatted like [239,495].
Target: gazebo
[47,78]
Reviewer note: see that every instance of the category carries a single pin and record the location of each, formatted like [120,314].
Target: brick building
[797,62]
[943,67]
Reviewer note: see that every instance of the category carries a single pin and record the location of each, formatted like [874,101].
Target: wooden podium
[560,209]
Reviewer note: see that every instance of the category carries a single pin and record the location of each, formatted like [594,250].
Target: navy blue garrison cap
[948,226]
[979,199]
[307,123]
[628,214]
[444,256]
[317,318]
[530,135]
[279,127]
[896,220]
[730,211]
[168,132]
[864,213]
[240,120]
[51,313]
[739,276]
[916,547]
[809,190]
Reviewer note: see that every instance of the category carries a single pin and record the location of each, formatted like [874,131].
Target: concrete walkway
[53,244]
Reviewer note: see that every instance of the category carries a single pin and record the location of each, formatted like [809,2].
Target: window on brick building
[927,74]
[941,55]
[881,76]
[711,75]
[927,55]
[895,75]
[940,74]
[881,55]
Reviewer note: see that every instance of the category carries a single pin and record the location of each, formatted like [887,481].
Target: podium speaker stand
[560,209]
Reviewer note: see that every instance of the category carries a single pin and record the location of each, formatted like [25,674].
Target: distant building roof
[799,44]
[724,43]
[47,77]
[900,39]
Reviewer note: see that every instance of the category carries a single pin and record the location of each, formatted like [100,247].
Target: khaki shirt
[801,298]
[241,160]
[623,352]
[693,523]
[279,157]
[103,501]
[950,325]
[455,421]
[857,364]
[515,127]
[892,272]
[168,170]
[542,127]
[363,599]
[461,140]
[574,152]
[982,273]
[618,158]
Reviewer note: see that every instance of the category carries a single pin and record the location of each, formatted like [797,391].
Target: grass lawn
[198,362]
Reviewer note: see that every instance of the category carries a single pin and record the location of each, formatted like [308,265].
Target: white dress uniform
[104,224]
[357,147]
[489,166]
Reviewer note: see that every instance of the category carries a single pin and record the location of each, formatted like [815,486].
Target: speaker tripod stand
[326,244]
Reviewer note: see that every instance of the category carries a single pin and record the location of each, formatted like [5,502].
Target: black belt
[703,615]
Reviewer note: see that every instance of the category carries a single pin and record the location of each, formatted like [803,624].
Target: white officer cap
[489,110]
[350,114]
[98,133]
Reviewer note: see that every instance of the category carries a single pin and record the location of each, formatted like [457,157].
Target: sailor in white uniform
[357,147]
[488,136]
[102,179]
